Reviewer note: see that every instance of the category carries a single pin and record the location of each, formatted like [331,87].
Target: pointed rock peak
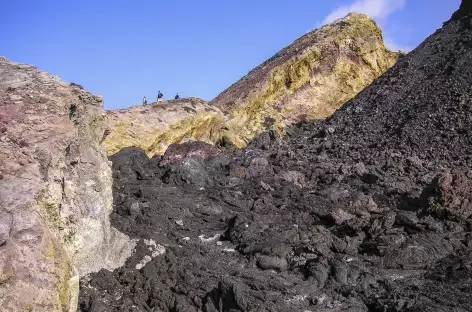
[309,79]
[355,17]
[464,10]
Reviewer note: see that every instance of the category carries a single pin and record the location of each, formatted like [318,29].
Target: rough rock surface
[369,210]
[307,80]
[184,150]
[154,127]
[55,191]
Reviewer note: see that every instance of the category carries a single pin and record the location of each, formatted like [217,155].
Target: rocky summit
[55,191]
[369,210]
[307,80]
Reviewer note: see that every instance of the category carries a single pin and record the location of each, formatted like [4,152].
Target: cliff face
[55,191]
[309,79]
[156,126]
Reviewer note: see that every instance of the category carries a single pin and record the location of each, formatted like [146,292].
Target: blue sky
[127,49]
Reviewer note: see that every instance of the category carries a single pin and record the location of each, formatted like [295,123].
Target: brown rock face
[55,191]
[180,151]
[309,79]
[450,194]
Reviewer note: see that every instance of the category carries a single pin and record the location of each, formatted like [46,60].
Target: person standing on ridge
[159,96]
[144,100]
[177,96]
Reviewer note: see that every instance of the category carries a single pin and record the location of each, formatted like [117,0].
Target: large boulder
[180,151]
[55,191]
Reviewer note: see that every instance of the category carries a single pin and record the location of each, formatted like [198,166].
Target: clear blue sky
[127,49]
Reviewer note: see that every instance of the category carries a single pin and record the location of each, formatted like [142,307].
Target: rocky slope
[55,191]
[307,80]
[369,210]
[154,127]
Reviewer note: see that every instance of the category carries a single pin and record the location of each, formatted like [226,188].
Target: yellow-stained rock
[309,79]
[154,127]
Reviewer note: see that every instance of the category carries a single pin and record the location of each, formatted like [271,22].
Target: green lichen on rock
[62,268]
[64,290]
[49,209]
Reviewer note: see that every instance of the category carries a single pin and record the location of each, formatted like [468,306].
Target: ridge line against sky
[379,10]
[125,50]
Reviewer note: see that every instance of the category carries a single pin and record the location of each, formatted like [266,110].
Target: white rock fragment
[321,299]
[210,239]
[179,222]
[143,262]
[266,186]
[296,299]
[155,249]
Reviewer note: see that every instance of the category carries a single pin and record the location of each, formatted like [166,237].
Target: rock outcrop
[307,80]
[55,191]
[154,127]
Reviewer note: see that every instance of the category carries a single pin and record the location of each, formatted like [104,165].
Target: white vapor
[391,45]
[379,10]
[376,9]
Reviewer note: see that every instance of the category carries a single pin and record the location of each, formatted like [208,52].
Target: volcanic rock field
[368,210]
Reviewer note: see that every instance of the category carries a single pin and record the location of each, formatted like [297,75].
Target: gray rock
[272,263]
[295,177]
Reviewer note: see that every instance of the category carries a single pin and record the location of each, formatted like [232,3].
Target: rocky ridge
[307,80]
[55,191]
[369,210]
[154,127]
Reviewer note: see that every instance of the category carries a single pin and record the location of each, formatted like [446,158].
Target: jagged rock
[179,151]
[55,191]
[450,194]
[464,10]
[272,263]
[309,79]
[190,170]
[294,177]
[156,126]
